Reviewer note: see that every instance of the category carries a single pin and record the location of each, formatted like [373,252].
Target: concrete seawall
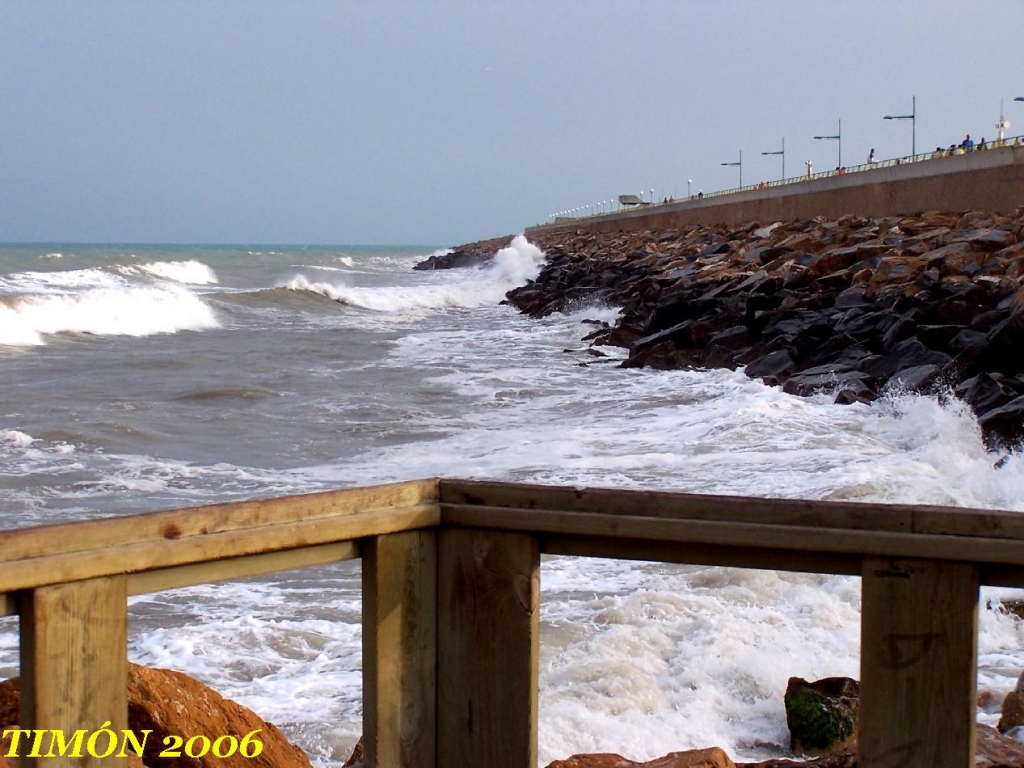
[988,180]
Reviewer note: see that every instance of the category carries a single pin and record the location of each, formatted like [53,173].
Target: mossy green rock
[822,715]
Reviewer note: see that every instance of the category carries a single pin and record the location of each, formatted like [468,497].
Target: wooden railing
[451,574]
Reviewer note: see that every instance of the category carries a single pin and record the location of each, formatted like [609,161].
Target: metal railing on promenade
[451,592]
[938,154]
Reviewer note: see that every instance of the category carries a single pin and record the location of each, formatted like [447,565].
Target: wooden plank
[806,512]
[150,555]
[400,650]
[919,639]
[240,567]
[797,539]
[74,659]
[488,613]
[701,554]
[674,505]
[180,524]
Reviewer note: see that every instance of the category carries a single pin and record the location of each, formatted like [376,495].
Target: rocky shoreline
[468,255]
[855,306]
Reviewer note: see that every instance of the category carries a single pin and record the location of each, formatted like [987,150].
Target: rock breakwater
[468,255]
[932,303]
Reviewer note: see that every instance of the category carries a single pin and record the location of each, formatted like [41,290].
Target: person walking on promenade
[968,145]
[871,157]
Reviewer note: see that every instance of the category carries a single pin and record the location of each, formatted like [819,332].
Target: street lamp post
[780,152]
[688,183]
[912,117]
[740,164]
[838,137]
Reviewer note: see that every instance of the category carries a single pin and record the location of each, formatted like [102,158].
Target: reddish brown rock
[997,751]
[1012,711]
[172,703]
[356,758]
[693,758]
[597,760]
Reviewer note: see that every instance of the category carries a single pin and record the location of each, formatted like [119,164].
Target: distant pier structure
[989,179]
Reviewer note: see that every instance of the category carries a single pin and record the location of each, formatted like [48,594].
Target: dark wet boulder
[909,353]
[773,367]
[919,378]
[1004,426]
[838,376]
[822,715]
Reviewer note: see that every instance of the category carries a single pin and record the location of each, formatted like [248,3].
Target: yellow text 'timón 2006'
[105,742]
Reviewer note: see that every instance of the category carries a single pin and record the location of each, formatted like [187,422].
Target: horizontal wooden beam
[230,568]
[841,515]
[181,524]
[210,547]
[797,540]
[700,554]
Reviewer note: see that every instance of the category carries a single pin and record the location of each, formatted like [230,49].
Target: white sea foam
[15,438]
[59,282]
[191,272]
[122,311]
[512,266]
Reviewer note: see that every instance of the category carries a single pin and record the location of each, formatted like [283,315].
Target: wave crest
[512,266]
[127,311]
[191,272]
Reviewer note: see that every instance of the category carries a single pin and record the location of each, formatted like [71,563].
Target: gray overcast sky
[439,122]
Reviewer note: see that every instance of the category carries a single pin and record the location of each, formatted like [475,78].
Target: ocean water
[136,378]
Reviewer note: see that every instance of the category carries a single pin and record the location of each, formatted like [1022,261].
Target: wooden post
[919,642]
[488,623]
[74,661]
[400,650]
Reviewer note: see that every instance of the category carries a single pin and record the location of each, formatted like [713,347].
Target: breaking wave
[191,272]
[511,267]
[120,311]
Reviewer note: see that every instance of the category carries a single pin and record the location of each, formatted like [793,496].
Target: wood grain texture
[74,659]
[201,548]
[240,567]
[178,524]
[820,538]
[400,650]
[488,614]
[701,554]
[919,639]
[918,518]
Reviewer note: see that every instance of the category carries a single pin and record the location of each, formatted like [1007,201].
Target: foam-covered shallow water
[149,378]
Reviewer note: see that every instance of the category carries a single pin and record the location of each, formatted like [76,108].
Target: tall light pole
[838,137]
[780,152]
[740,164]
[912,117]
[688,183]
